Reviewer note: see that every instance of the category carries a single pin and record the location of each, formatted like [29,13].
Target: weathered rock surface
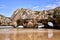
[29,18]
[5,20]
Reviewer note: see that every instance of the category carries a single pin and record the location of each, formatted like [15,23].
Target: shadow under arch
[19,22]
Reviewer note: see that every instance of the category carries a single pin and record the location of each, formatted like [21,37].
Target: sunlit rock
[20,26]
[40,25]
[50,24]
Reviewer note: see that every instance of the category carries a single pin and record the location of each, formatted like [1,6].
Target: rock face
[22,14]
[5,20]
[28,18]
[32,19]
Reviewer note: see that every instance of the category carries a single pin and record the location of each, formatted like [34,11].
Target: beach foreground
[29,34]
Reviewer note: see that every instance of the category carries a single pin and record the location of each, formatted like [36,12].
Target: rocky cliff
[30,18]
[5,20]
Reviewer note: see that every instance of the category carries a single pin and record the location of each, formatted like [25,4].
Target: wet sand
[29,34]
